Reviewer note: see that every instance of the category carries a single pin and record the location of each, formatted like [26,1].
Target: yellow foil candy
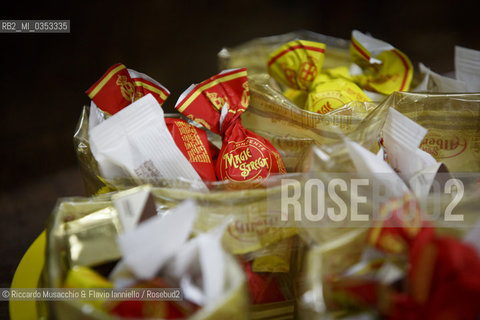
[333,94]
[84,277]
[385,68]
[298,97]
[297,63]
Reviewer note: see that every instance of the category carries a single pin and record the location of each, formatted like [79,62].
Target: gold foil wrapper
[92,239]
[58,252]
[82,231]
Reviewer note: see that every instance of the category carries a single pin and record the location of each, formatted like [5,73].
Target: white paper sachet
[134,206]
[200,268]
[148,247]
[434,82]
[402,137]
[422,183]
[467,67]
[369,163]
[135,142]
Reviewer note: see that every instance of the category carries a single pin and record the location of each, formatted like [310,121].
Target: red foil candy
[217,103]
[263,287]
[443,275]
[194,145]
[120,86]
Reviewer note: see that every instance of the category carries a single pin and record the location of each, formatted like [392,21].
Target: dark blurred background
[43,77]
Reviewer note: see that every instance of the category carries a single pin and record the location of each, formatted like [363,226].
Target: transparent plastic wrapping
[285,265]
[329,260]
[93,181]
[73,210]
[452,121]
[293,130]
[270,253]
[253,54]
[335,262]
[254,232]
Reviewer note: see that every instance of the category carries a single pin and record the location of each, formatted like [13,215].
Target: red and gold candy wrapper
[442,277]
[217,104]
[120,86]
[393,235]
[443,280]
[263,287]
[194,145]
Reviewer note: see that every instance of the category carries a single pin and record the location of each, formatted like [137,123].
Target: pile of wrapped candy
[194,201]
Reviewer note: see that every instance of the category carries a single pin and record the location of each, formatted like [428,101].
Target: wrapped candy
[194,145]
[135,143]
[384,68]
[298,64]
[212,283]
[408,265]
[119,87]
[217,104]
[377,67]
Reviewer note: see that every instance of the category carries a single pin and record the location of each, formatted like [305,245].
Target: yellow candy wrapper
[84,277]
[297,63]
[334,94]
[338,72]
[293,130]
[253,54]
[298,97]
[385,69]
